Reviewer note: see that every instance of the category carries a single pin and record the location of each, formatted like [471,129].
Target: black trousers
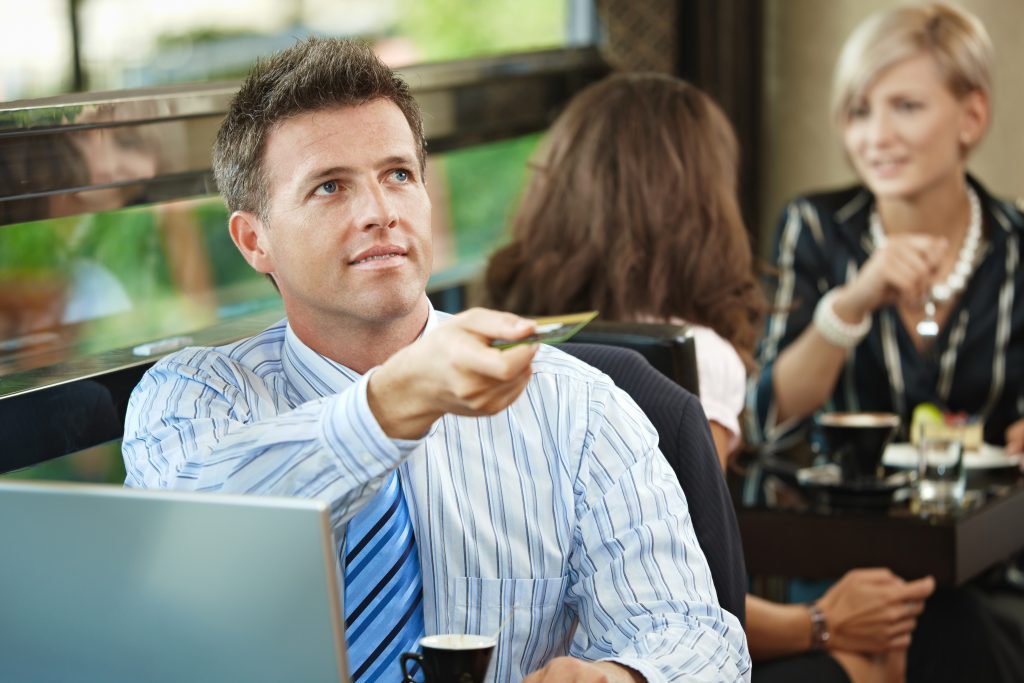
[812,667]
[973,633]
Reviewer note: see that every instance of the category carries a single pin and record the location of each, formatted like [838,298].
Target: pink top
[723,379]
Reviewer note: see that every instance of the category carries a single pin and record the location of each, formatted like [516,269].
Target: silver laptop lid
[100,583]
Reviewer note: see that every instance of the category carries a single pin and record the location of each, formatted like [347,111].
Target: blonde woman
[908,287]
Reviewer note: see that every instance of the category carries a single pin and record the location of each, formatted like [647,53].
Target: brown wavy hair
[633,212]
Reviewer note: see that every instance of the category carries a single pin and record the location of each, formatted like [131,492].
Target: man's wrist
[617,672]
[394,406]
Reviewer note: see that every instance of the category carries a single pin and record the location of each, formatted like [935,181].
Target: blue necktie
[383,587]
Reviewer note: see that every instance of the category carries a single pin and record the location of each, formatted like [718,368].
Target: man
[533,488]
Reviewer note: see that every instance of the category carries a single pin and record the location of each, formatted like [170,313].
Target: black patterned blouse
[976,363]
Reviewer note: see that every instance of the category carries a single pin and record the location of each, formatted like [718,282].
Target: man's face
[347,236]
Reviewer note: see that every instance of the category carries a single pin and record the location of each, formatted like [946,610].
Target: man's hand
[571,670]
[873,610]
[452,369]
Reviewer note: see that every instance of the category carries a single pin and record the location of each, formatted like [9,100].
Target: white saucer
[988,457]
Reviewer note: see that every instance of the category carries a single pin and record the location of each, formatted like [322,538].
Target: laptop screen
[108,584]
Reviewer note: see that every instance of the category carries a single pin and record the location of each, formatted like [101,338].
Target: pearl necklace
[957,279]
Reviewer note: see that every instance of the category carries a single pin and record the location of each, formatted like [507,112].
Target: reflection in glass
[63,419]
[101,280]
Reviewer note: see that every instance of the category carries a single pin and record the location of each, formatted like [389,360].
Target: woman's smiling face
[909,134]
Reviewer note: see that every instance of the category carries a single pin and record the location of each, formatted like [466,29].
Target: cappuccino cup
[450,658]
[857,441]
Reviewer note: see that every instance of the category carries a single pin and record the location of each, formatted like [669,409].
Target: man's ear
[249,234]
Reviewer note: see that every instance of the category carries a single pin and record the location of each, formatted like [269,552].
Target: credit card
[553,329]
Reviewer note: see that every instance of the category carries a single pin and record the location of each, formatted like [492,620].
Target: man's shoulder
[251,352]
[551,360]
[600,387]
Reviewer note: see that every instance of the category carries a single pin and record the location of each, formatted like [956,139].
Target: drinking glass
[941,475]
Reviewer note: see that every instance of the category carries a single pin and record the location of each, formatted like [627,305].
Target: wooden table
[817,543]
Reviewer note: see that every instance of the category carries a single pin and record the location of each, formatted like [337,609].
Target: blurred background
[48,47]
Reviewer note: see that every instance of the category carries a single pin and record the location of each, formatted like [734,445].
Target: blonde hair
[954,38]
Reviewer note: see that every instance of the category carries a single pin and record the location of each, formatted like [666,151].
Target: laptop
[101,583]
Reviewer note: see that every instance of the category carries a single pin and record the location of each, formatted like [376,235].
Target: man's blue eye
[330,187]
[402,175]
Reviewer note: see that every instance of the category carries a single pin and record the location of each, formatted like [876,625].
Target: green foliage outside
[35,248]
[485,183]
[124,241]
[456,29]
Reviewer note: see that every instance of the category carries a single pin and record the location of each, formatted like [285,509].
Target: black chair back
[42,425]
[685,440]
[669,348]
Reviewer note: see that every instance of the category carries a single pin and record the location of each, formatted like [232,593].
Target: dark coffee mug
[857,441]
[451,658]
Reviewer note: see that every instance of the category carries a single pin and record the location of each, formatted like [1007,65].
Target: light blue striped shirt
[558,511]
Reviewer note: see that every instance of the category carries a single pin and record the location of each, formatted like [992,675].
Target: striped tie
[383,587]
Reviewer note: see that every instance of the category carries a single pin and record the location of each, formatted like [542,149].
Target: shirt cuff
[356,434]
[647,671]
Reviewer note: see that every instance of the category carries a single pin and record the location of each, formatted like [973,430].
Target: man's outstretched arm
[203,420]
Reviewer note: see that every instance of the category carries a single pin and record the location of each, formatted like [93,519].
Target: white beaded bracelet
[836,330]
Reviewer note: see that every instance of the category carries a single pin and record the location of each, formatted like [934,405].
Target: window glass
[35,49]
[94,282]
[149,42]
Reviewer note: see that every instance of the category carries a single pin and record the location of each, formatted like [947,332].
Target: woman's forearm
[775,630]
[805,373]
[721,436]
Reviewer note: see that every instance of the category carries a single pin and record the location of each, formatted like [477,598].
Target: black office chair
[42,425]
[669,348]
[685,439]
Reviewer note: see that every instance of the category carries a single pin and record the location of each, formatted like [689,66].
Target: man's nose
[377,209]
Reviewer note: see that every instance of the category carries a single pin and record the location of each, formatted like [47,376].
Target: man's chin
[393,310]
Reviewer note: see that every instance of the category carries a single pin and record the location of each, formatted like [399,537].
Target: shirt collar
[314,375]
